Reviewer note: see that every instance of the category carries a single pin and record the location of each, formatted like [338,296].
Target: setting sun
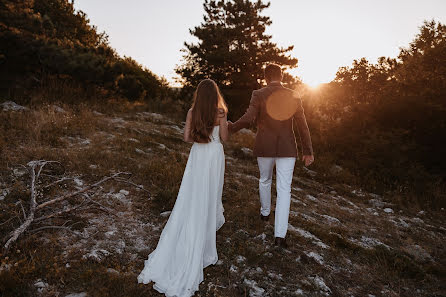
[314,86]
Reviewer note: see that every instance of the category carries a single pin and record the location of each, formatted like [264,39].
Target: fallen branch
[34,206]
[120,179]
[8,220]
[102,207]
[23,210]
[57,213]
[52,227]
[63,197]
[58,182]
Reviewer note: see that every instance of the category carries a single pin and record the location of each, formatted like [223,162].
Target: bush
[131,87]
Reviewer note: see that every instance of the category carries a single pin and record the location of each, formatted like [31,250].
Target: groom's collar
[275,83]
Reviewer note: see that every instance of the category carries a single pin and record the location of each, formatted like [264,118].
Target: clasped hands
[307,159]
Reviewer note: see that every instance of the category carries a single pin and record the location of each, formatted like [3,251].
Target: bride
[188,241]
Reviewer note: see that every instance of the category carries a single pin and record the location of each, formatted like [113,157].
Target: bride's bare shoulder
[220,114]
[189,116]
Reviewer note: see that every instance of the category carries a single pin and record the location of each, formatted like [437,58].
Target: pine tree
[233,46]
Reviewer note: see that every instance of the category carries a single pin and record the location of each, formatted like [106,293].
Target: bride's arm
[187,128]
[223,121]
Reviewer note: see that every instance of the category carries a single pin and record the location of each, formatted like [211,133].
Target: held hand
[307,159]
[230,127]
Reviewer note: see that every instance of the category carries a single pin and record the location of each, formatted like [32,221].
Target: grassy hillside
[343,241]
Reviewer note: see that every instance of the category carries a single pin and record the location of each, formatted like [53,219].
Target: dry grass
[127,137]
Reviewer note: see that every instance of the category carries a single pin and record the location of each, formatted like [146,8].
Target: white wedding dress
[188,241]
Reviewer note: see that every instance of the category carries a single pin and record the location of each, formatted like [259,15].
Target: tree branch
[32,209]
[80,191]
[34,206]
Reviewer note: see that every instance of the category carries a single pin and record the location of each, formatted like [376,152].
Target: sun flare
[313,86]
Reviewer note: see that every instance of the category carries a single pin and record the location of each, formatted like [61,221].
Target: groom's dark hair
[273,72]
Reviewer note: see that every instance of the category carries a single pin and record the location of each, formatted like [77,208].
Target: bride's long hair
[207,103]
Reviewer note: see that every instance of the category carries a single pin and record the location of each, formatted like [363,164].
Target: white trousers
[284,177]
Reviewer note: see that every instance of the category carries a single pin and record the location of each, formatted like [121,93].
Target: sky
[326,34]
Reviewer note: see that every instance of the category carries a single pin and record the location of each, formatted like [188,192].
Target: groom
[275,108]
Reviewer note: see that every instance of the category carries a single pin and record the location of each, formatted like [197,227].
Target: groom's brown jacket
[275,137]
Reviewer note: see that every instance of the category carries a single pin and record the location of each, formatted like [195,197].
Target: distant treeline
[386,122]
[49,38]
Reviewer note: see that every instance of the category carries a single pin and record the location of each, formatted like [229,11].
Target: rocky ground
[342,241]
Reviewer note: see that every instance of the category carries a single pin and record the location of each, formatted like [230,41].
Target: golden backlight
[314,86]
[281,106]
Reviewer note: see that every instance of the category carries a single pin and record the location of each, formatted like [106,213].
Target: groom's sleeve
[250,115]
[302,128]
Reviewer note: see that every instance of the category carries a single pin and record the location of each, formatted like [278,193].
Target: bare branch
[9,220]
[34,206]
[120,179]
[102,207]
[58,182]
[23,210]
[58,213]
[32,209]
[52,227]
[63,197]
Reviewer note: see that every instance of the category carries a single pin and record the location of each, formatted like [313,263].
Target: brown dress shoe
[278,241]
[264,218]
